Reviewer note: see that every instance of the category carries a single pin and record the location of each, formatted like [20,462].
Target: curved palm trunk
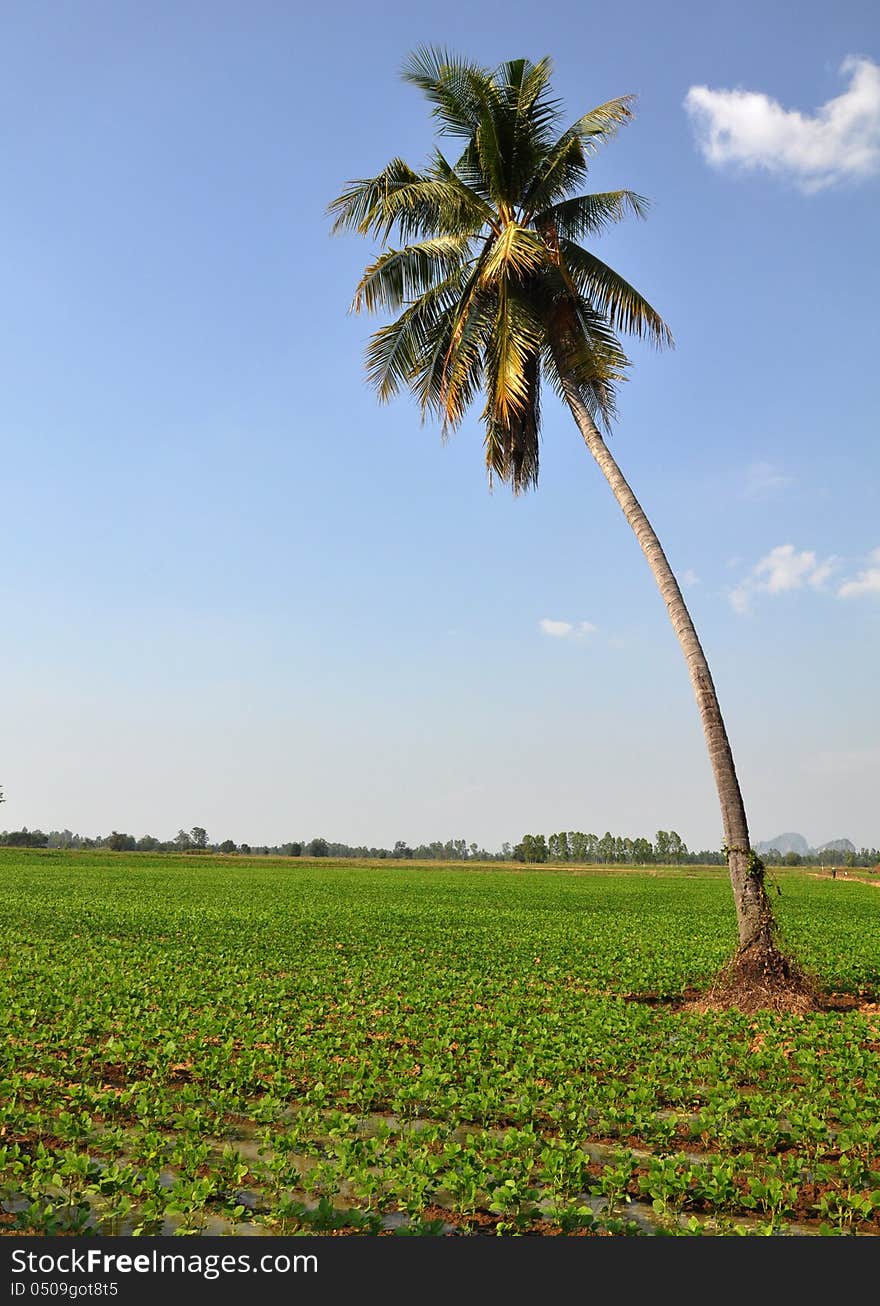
[754,915]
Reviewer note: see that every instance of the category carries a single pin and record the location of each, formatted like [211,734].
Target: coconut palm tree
[497,295]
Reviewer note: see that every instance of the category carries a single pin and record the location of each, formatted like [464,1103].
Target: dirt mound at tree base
[761,978]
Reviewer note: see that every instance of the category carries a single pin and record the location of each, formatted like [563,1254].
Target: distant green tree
[246,849]
[63,839]
[318,848]
[227,846]
[24,838]
[606,848]
[557,847]
[148,844]
[181,840]
[121,843]
[293,849]
[677,848]
[534,848]
[199,836]
[455,850]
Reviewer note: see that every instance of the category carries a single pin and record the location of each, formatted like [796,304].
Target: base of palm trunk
[759,977]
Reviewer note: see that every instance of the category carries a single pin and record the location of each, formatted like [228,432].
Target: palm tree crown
[493,287]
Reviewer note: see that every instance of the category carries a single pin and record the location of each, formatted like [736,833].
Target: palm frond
[456,87]
[584,215]
[416,204]
[559,172]
[585,348]
[393,353]
[608,292]
[515,253]
[493,156]
[399,276]
[441,364]
[451,367]
[599,125]
[469,171]
[511,444]
[356,209]
[536,116]
[516,335]
[534,106]
[565,165]
[470,179]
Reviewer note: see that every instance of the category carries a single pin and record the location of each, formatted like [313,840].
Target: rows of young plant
[202,1045]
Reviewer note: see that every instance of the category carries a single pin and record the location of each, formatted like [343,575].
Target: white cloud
[739,598]
[781,570]
[690,578]
[784,568]
[840,141]
[865,582]
[764,480]
[821,574]
[566,629]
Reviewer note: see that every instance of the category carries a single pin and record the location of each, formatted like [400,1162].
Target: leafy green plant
[154,1069]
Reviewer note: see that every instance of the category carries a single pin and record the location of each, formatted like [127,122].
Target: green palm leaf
[394,352]
[625,309]
[400,275]
[456,87]
[590,215]
[514,254]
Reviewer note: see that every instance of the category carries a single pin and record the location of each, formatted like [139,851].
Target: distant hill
[792,842]
[784,843]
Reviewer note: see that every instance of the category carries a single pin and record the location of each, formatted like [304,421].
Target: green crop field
[197,1044]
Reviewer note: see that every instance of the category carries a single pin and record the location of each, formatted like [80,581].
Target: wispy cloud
[781,570]
[689,578]
[848,761]
[750,130]
[763,480]
[566,629]
[866,581]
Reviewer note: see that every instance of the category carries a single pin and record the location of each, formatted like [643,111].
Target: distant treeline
[666,849]
[196,841]
[864,857]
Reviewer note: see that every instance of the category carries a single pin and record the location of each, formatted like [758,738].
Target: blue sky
[238,593]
